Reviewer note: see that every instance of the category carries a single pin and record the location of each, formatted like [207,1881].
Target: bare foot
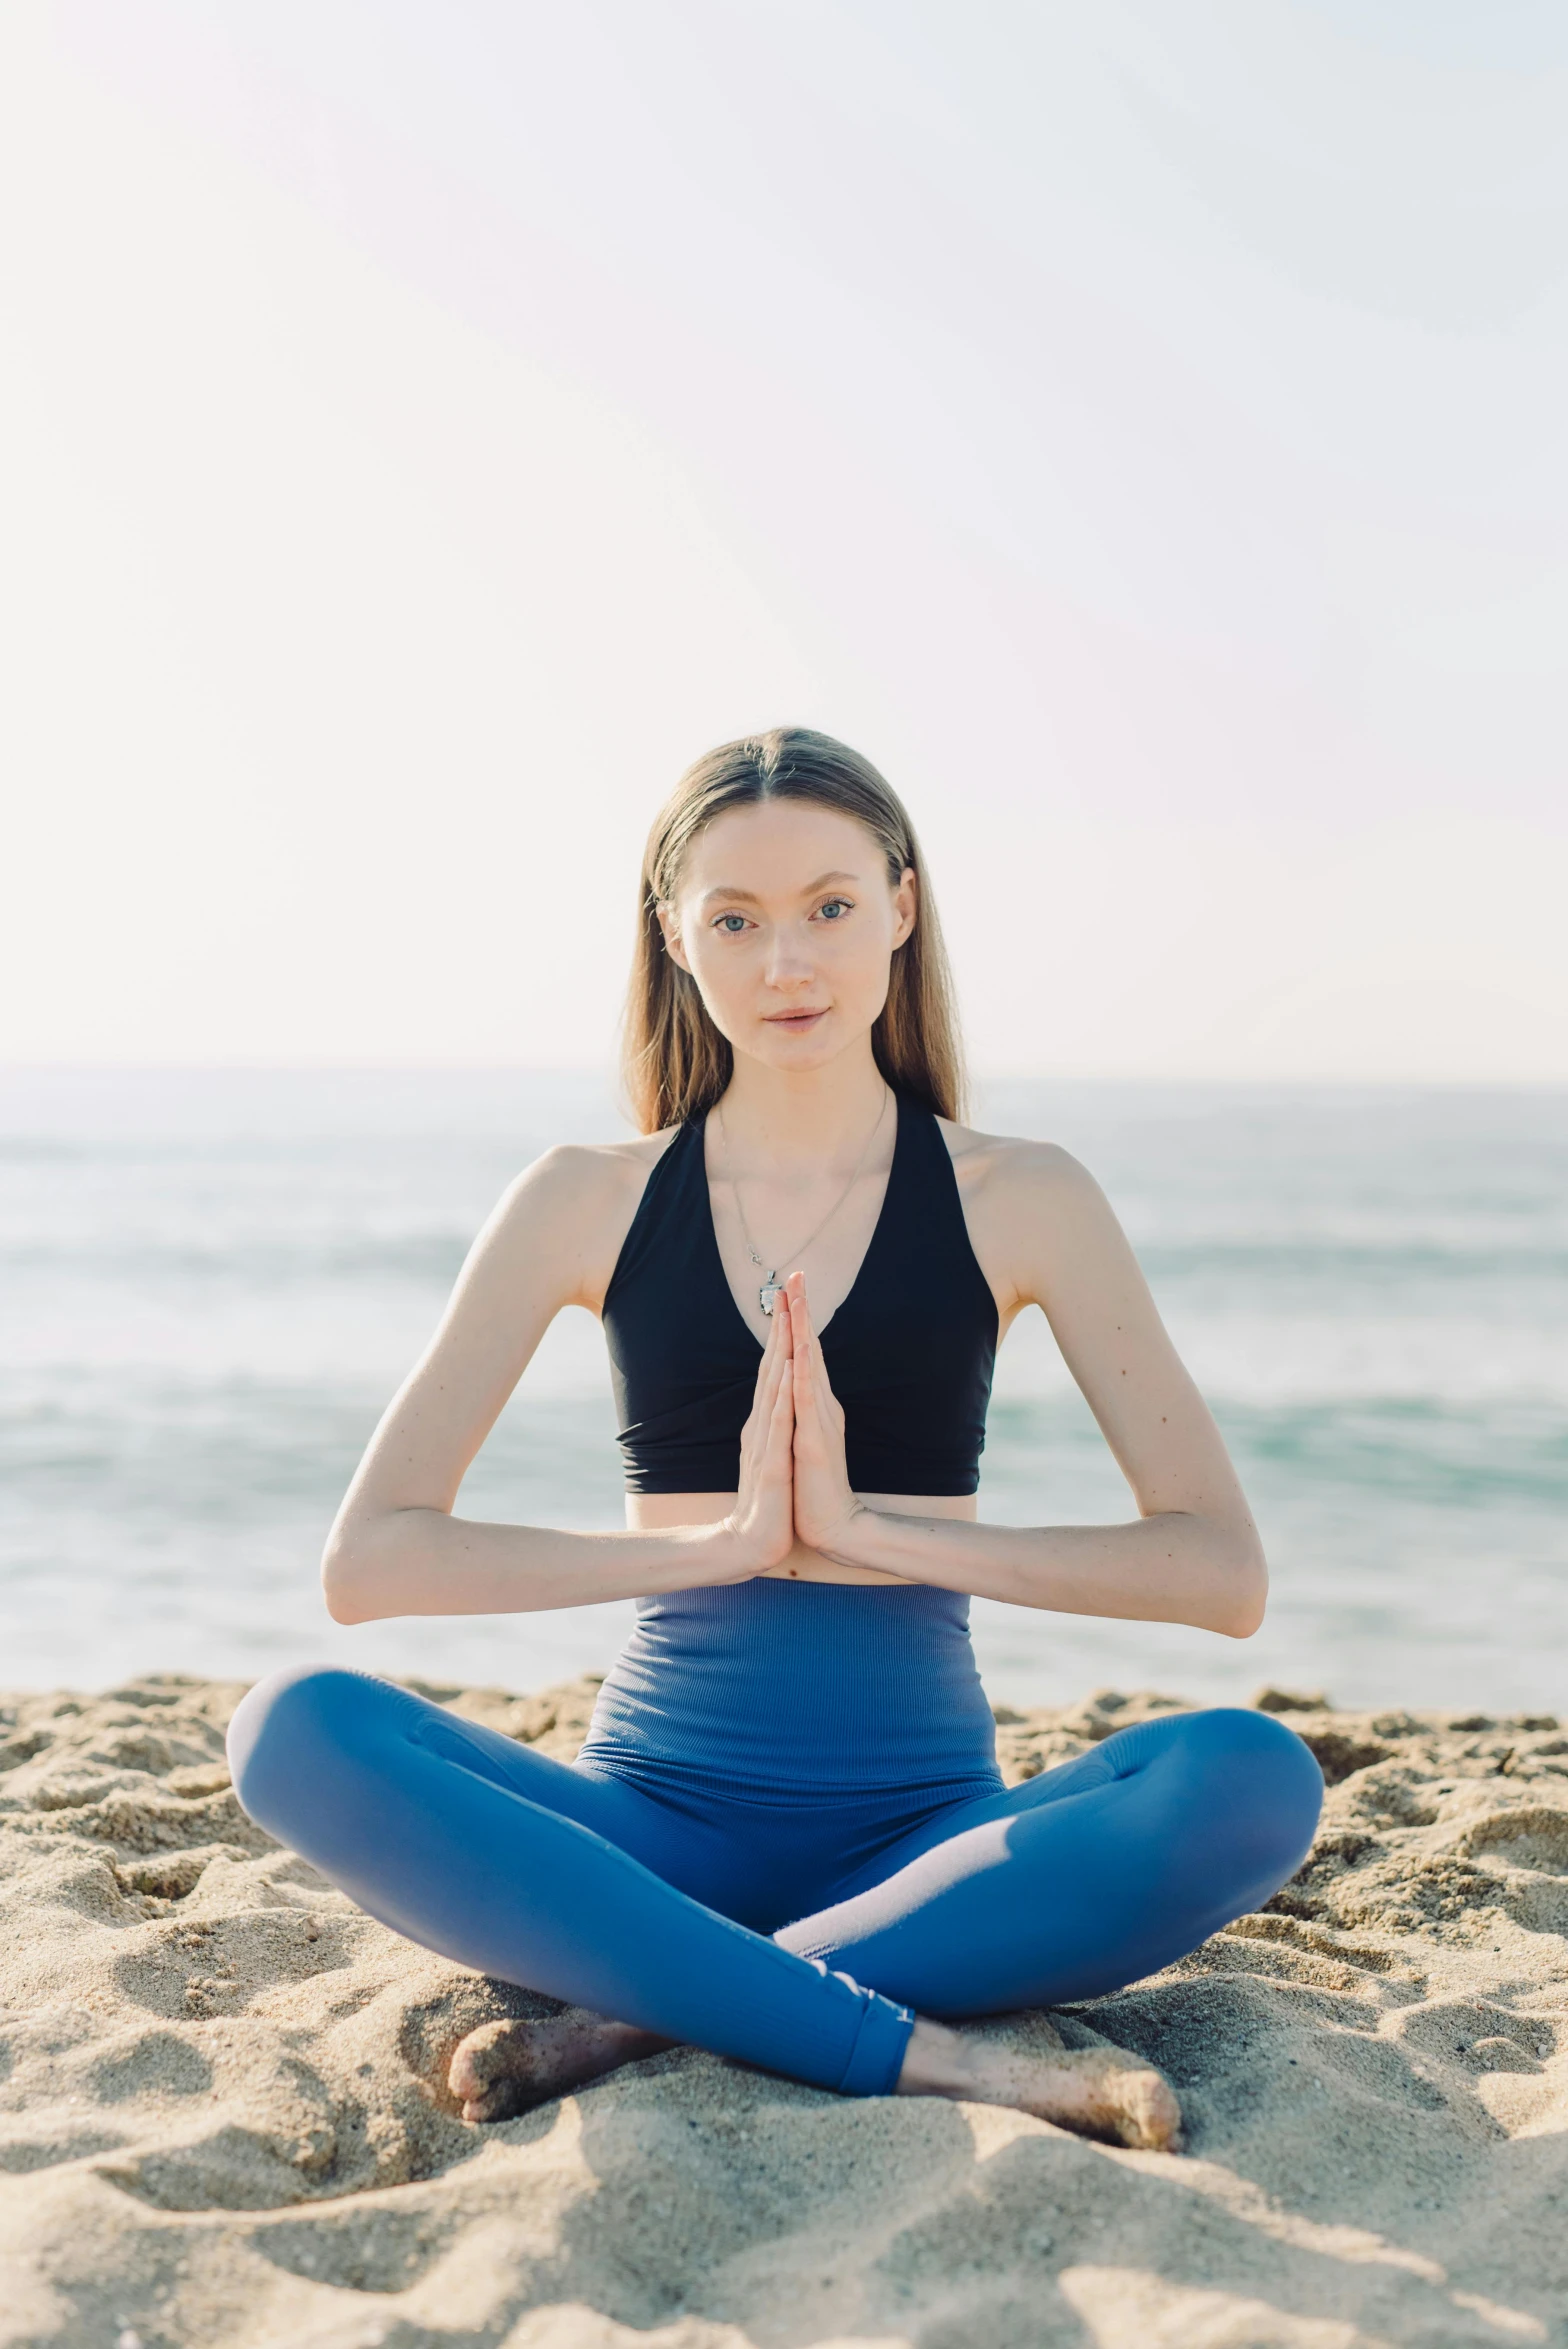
[1099,2091]
[503,2069]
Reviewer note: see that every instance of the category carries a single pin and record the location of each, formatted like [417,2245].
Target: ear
[906,906]
[672,937]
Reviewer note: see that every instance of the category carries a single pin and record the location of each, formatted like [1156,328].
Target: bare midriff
[652,1512]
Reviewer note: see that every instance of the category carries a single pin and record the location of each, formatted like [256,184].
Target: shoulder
[1004,1168]
[586,1180]
[599,1167]
[1035,1214]
[563,1220]
[571,1209]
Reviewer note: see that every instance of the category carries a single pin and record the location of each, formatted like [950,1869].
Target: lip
[795,1019]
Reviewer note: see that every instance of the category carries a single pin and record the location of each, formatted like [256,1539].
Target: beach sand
[222,2117]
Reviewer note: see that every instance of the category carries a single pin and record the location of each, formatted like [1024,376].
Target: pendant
[772,1287]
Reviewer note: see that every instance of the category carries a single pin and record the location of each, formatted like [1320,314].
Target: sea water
[210,1284]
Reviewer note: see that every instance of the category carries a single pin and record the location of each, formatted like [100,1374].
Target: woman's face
[787,921]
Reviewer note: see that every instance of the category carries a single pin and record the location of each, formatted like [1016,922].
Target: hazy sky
[1142,428]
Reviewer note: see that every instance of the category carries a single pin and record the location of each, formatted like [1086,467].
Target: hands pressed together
[794,1485]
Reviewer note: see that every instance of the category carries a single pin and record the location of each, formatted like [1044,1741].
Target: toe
[480,2059]
[463,2075]
[503,2102]
[1153,2114]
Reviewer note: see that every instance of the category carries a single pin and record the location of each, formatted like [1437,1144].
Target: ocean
[210,1283]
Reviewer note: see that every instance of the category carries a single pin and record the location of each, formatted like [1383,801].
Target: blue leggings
[794,1936]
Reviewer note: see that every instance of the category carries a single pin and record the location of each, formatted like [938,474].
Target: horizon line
[604,1072]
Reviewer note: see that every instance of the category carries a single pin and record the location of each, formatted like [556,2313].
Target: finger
[781,1426]
[784,1401]
[775,1374]
[778,1344]
[780,1330]
[771,1373]
[808,1410]
[800,1337]
[808,1358]
[802,1328]
[812,1344]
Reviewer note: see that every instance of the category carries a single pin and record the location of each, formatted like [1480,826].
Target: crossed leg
[1084,1879]
[1073,1884]
[1076,1883]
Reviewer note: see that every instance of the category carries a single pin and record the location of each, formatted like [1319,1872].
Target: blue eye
[835,909]
[731,924]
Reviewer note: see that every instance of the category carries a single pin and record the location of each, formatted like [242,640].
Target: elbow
[344,1581]
[1243,1617]
[1245,1594]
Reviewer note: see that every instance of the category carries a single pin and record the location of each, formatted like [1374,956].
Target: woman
[786,1839]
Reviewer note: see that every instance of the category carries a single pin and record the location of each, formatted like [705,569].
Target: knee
[286,1728]
[1260,1771]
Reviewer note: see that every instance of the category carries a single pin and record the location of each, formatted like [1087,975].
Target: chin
[813,1050]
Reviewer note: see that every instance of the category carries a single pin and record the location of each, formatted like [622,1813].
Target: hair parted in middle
[675,1062]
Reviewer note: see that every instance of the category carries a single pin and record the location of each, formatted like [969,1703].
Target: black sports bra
[911,1364]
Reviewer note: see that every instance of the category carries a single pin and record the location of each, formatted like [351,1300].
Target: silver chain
[770,1282]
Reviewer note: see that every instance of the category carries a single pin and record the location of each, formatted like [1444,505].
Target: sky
[1142,429]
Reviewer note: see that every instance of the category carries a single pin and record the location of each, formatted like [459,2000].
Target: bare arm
[396,1548]
[1193,1553]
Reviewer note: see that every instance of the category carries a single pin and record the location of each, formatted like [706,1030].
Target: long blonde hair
[674,1061]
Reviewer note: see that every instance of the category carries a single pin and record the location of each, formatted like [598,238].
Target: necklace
[772,1286]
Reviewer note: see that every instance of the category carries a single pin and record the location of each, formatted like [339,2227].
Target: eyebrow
[750,897]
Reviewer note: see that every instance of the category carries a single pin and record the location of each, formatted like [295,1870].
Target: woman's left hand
[825,1507]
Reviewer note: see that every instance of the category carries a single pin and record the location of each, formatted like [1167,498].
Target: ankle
[937,2061]
[632,2038]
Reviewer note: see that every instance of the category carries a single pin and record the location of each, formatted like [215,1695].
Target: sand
[222,2118]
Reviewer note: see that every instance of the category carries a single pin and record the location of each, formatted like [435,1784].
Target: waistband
[650,1774]
[786,1692]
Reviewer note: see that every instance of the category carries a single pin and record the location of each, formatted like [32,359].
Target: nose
[788,962]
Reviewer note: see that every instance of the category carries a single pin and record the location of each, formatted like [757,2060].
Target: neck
[816,1117]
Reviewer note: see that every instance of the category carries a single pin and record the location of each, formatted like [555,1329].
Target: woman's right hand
[761,1526]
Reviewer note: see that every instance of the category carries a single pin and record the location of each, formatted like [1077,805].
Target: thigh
[715,1852]
[341,1749]
[500,1859]
[1084,1878]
